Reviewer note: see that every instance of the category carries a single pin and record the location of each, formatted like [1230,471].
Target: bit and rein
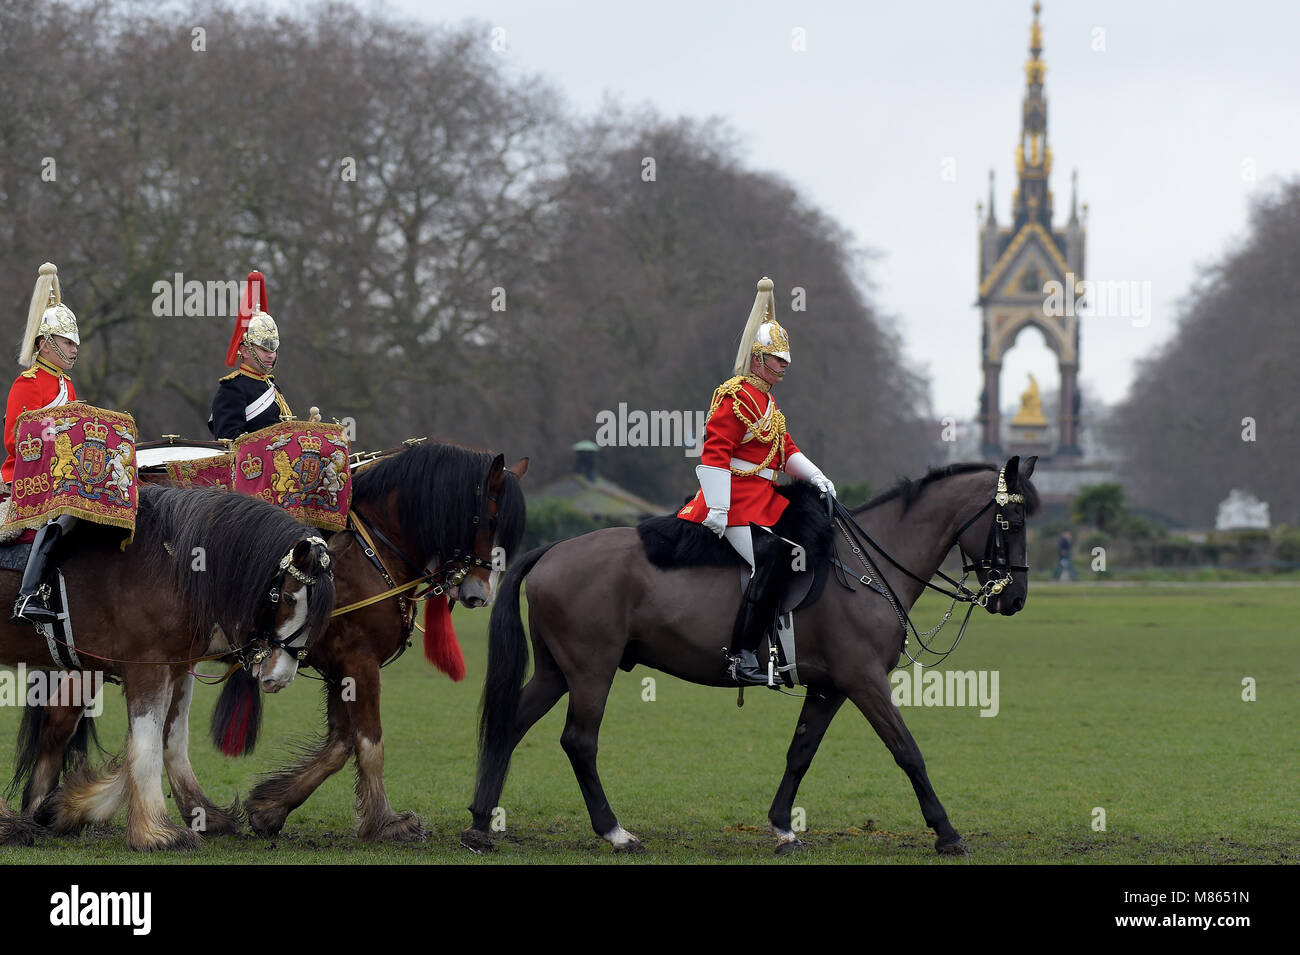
[446,575]
[273,641]
[995,560]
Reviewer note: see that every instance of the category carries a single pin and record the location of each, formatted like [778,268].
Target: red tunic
[34,388]
[726,436]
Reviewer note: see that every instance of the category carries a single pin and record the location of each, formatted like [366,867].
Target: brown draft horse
[201,560]
[595,604]
[436,512]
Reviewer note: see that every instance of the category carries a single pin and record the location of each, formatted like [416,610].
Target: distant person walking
[1064,563]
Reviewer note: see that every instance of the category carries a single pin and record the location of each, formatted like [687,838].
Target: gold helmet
[254,326]
[763,334]
[46,315]
[262,331]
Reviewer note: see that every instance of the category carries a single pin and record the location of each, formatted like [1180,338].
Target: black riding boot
[33,603]
[758,613]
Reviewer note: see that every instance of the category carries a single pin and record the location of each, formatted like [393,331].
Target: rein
[995,560]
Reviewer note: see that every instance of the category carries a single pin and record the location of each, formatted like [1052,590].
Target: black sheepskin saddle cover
[672,543]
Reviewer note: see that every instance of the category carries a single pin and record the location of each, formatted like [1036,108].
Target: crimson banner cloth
[74,459]
[301,466]
[216,471]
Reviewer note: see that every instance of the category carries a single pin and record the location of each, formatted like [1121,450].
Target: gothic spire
[1033,157]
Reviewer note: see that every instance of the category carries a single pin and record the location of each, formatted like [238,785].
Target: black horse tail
[28,748]
[507,660]
[237,717]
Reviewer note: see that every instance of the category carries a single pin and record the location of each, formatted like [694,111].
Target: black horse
[596,603]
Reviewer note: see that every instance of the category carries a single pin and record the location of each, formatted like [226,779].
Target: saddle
[673,544]
[13,556]
[58,635]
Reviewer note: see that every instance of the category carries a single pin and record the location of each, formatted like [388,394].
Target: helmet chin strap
[776,371]
[249,353]
[54,346]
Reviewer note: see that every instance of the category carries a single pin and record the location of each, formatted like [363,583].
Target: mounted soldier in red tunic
[745,444]
[48,351]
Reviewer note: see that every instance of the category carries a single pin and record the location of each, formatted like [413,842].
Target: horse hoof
[54,815]
[170,837]
[793,846]
[477,841]
[184,839]
[217,821]
[402,827]
[223,825]
[957,848]
[633,847]
[266,823]
[19,830]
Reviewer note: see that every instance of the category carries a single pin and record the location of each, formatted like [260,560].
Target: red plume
[440,645]
[254,291]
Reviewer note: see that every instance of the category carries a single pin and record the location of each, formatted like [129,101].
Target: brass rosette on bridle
[286,562]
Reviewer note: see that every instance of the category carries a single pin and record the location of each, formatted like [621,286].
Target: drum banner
[215,471]
[300,466]
[74,459]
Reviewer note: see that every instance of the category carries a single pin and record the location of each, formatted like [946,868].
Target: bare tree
[1216,408]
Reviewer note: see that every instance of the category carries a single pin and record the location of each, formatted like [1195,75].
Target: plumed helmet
[763,334]
[46,315]
[262,331]
[254,325]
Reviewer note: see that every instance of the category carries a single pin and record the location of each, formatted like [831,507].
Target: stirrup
[33,609]
[744,670]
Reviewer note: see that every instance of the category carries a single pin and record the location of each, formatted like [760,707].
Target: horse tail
[78,751]
[27,750]
[507,660]
[237,717]
[35,719]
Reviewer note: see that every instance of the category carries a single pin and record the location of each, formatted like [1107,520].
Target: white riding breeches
[740,538]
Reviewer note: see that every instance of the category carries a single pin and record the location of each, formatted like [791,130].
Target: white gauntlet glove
[798,466]
[715,483]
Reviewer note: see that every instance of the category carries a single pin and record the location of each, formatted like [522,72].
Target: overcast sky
[1185,111]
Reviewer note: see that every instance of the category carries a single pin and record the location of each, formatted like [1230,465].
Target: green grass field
[1124,698]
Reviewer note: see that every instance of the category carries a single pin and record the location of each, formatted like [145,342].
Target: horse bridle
[996,560]
[447,573]
[252,653]
[996,554]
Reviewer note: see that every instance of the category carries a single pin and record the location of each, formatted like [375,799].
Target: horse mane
[221,550]
[909,489]
[439,503]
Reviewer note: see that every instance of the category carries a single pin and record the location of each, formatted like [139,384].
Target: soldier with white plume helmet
[48,350]
[745,444]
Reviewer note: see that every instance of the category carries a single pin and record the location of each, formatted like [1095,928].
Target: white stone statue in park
[1241,510]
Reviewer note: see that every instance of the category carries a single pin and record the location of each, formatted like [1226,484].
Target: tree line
[448,249]
[1216,408]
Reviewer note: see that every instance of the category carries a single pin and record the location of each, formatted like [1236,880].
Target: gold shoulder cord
[772,436]
[285,413]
